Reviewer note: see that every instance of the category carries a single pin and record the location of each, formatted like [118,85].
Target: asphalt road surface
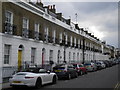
[106,78]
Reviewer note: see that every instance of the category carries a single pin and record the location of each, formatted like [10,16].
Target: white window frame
[33,55]
[25,23]
[11,17]
[71,39]
[46,30]
[66,38]
[51,55]
[60,37]
[54,35]
[69,56]
[37,25]
[7,52]
[74,41]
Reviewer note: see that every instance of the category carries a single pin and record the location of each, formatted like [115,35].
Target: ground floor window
[7,49]
[51,55]
[33,50]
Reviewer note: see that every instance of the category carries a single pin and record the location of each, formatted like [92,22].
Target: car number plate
[17,82]
[58,70]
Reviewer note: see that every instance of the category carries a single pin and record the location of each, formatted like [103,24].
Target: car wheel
[81,73]
[76,75]
[69,76]
[86,72]
[54,81]
[38,83]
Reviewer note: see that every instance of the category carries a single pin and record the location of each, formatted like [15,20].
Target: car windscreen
[33,70]
[75,65]
[87,64]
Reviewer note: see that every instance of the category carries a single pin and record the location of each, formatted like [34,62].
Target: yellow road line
[117,86]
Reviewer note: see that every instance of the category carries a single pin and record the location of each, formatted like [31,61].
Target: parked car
[107,64]
[65,71]
[100,65]
[33,77]
[90,66]
[81,69]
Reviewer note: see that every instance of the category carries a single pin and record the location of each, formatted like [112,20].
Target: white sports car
[33,77]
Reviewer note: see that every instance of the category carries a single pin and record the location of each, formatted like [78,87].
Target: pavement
[5,85]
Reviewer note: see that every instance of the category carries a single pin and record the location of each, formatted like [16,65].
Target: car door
[44,75]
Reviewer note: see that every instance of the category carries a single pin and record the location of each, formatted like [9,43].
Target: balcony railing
[36,35]
[10,29]
[25,33]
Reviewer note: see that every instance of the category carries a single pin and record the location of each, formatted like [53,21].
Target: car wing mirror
[48,72]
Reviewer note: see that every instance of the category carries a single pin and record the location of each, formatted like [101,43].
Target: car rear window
[21,73]
[58,68]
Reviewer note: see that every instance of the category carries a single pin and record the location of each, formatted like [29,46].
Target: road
[106,78]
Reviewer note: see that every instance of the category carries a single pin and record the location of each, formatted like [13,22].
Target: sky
[101,18]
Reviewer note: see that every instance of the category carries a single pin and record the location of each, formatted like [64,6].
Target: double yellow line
[117,86]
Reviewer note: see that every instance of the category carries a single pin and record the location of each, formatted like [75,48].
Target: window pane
[6,54]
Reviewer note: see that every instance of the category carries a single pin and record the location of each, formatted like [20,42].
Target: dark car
[65,71]
[81,69]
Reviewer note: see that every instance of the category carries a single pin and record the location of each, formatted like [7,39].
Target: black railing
[10,28]
[25,33]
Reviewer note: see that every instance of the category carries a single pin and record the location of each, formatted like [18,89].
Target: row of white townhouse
[35,34]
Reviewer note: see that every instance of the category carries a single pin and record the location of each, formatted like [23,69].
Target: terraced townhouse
[34,34]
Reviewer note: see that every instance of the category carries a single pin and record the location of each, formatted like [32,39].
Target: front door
[19,60]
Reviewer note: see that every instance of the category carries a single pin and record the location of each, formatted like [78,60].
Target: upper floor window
[71,40]
[37,27]
[25,23]
[46,31]
[54,35]
[9,17]
[74,41]
[66,38]
[60,37]
[78,43]
[7,54]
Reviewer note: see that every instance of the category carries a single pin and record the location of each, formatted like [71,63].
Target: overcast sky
[100,17]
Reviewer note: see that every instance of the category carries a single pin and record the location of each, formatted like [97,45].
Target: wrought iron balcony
[36,35]
[25,33]
[10,29]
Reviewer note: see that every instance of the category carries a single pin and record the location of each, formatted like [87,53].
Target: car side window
[42,71]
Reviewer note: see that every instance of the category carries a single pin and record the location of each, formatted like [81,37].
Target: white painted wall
[15,41]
